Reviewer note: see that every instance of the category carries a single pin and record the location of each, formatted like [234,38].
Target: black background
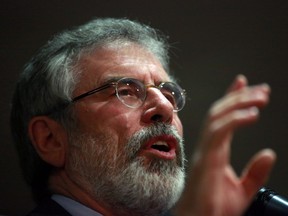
[213,41]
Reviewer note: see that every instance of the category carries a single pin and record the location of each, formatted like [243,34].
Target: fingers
[257,171]
[239,107]
[239,82]
[257,96]
[232,120]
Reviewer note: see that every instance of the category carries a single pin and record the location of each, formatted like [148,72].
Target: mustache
[139,139]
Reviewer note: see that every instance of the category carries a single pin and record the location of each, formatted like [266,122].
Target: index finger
[239,82]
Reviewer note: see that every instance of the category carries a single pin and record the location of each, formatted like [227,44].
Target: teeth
[161,143]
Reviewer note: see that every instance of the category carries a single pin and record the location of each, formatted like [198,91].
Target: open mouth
[163,147]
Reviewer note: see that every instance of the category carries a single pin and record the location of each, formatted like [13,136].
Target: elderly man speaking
[94,118]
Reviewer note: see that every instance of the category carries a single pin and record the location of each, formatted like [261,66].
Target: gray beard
[123,181]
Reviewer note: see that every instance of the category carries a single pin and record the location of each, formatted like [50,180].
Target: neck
[61,183]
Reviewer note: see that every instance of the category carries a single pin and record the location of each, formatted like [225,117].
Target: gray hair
[45,87]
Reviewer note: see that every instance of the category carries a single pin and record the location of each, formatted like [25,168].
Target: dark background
[213,41]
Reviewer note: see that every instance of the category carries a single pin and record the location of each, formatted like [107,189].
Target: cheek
[119,122]
[121,127]
[177,123]
[124,124]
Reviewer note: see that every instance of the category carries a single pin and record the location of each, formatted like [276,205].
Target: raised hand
[213,188]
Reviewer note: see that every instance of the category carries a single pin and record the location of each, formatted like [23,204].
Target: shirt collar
[73,207]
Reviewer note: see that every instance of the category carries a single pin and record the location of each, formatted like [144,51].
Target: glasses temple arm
[92,92]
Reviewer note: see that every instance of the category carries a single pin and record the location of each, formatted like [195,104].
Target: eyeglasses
[132,92]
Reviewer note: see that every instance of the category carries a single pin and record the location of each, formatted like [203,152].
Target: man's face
[127,157]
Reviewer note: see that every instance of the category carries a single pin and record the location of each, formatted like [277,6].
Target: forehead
[125,60]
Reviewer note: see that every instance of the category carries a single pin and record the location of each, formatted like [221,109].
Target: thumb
[257,171]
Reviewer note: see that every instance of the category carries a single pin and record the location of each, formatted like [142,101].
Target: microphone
[268,203]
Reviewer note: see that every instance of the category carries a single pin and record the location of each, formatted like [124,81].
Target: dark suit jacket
[49,208]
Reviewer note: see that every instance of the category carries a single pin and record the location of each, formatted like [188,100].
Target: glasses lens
[175,94]
[131,92]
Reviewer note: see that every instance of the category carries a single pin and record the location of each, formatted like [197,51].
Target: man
[94,117]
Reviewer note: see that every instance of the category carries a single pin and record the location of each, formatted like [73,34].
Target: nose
[156,108]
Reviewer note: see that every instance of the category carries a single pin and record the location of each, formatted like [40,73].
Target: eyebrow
[111,79]
[116,78]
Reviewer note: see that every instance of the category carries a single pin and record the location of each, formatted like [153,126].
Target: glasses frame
[115,83]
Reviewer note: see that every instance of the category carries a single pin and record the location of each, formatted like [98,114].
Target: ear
[49,139]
